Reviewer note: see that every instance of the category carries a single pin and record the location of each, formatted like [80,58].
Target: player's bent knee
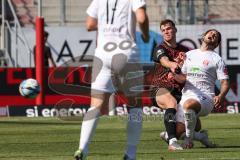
[192,104]
[167,102]
[98,100]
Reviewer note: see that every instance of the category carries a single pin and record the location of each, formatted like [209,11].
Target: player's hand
[170,76]
[175,68]
[217,101]
[181,58]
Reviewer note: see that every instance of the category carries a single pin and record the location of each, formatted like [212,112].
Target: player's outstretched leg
[89,125]
[170,124]
[202,137]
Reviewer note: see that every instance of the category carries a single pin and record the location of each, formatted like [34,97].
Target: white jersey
[116,20]
[116,46]
[202,70]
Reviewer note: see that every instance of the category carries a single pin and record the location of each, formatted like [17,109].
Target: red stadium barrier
[64,84]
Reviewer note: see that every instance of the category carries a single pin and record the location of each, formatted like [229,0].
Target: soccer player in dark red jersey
[168,80]
[168,83]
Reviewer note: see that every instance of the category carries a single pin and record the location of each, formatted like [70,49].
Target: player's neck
[172,44]
[205,47]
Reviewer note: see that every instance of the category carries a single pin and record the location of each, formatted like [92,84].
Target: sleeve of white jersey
[92,10]
[136,4]
[222,72]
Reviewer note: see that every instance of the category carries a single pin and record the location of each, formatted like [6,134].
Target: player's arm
[222,75]
[173,66]
[142,20]
[160,56]
[223,91]
[92,18]
[91,23]
[182,75]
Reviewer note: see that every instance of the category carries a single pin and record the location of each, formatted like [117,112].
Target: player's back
[116,19]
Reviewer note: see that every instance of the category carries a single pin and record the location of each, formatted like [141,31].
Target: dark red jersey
[162,76]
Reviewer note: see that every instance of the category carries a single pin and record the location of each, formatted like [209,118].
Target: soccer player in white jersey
[199,135]
[202,68]
[115,22]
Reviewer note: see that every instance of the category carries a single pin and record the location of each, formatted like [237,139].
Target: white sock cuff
[172,140]
[189,112]
[93,108]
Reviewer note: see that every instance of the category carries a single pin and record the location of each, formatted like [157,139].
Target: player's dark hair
[218,33]
[166,21]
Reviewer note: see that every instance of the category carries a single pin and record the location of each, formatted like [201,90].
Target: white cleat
[79,155]
[163,136]
[174,146]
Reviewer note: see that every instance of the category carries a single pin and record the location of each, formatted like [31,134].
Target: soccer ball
[29,88]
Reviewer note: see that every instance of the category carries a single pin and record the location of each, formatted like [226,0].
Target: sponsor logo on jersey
[195,69]
[205,63]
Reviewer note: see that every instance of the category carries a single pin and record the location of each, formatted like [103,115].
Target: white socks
[134,129]
[89,125]
[172,140]
[190,122]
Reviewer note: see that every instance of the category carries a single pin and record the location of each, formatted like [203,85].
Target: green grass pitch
[54,139]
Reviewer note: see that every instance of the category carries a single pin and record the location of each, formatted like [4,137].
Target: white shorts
[206,102]
[116,71]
